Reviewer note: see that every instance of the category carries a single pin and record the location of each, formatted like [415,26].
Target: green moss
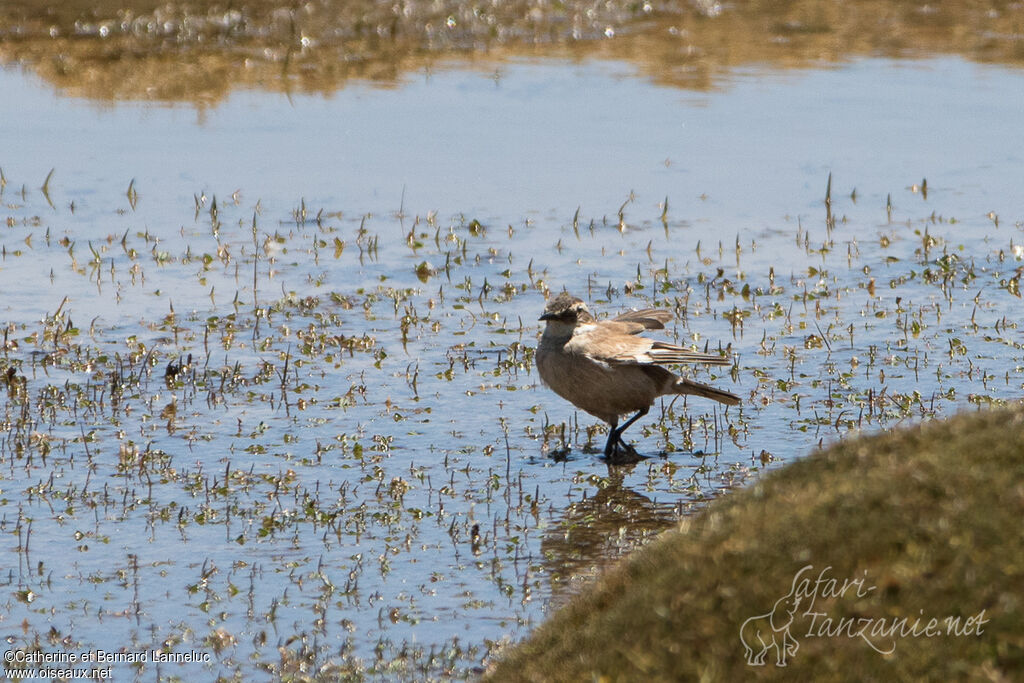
[928,519]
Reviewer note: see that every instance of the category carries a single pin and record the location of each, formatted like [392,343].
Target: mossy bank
[903,551]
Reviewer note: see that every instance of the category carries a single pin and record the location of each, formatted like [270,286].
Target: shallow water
[361,396]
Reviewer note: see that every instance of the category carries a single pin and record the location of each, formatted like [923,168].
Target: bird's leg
[615,436]
[639,414]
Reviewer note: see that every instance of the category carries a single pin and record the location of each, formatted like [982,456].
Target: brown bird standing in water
[606,369]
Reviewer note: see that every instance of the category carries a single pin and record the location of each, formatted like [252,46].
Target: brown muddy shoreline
[199,52]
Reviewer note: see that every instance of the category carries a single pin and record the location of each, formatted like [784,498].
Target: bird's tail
[688,386]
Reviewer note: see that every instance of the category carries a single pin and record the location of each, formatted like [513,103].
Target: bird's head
[566,309]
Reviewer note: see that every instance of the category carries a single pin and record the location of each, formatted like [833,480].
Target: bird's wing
[621,327]
[664,353]
[606,342]
[646,319]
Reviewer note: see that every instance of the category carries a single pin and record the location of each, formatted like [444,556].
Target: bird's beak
[546,316]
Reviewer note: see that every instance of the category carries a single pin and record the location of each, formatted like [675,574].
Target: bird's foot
[622,453]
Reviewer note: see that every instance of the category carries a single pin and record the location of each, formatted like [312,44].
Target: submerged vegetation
[284,441]
[308,442]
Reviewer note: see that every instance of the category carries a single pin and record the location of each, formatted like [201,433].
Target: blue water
[519,146]
[544,137]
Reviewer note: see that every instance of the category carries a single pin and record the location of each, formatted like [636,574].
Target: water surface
[359,470]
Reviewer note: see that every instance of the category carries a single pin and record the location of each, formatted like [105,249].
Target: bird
[605,368]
